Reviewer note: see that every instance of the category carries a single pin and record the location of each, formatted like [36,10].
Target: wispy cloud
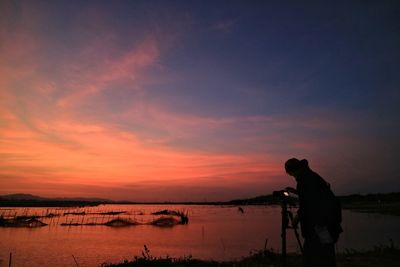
[106,74]
[224,26]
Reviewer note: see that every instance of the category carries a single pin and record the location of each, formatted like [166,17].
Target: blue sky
[204,97]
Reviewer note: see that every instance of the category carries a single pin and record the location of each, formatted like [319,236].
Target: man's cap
[294,164]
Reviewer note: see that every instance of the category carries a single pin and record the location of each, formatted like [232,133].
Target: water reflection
[213,232]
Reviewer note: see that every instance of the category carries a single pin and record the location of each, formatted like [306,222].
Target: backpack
[335,228]
[332,212]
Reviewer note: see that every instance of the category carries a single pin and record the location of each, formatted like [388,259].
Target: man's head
[295,167]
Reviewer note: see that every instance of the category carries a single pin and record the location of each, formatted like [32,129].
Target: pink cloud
[224,26]
[127,68]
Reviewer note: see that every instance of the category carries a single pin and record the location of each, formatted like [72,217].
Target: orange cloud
[97,155]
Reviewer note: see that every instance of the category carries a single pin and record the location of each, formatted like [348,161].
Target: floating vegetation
[21,221]
[118,222]
[110,213]
[82,213]
[50,215]
[164,212]
[71,224]
[80,224]
[79,217]
[121,222]
[165,222]
[24,217]
[184,219]
[75,213]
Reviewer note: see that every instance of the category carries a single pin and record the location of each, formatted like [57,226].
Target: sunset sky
[197,100]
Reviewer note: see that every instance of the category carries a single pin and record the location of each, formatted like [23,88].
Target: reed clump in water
[165,222]
[21,221]
[110,213]
[82,213]
[121,222]
[184,219]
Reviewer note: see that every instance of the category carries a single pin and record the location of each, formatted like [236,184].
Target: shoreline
[379,256]
[387,204]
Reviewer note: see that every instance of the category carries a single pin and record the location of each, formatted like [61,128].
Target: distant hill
[28,200]
[354,201]
[382,197]
[21,197]
[33,197]
[104,200]
[346,201]
[260,200]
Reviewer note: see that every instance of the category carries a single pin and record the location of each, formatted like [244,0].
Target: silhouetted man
[319,214]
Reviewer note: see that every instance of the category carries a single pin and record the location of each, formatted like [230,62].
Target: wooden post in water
[75,260]
[283,230]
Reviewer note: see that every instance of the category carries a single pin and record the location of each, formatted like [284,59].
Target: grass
[383,255]
[379,256]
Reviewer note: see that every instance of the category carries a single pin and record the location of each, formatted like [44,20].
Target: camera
[281,194]
[286,196]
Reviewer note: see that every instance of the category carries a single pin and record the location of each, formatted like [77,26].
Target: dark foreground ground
[381,256]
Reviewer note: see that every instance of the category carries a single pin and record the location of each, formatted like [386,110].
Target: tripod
[286,217]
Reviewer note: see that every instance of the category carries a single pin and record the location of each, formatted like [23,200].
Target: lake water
[213,232]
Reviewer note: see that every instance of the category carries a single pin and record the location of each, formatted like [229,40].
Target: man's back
[318,204]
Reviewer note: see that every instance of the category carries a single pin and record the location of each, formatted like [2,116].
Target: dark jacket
[318,205]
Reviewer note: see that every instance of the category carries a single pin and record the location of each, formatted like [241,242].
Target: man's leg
[318,255]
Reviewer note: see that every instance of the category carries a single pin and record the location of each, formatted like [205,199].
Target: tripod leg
[296,233]
[298,240]
[283,231]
